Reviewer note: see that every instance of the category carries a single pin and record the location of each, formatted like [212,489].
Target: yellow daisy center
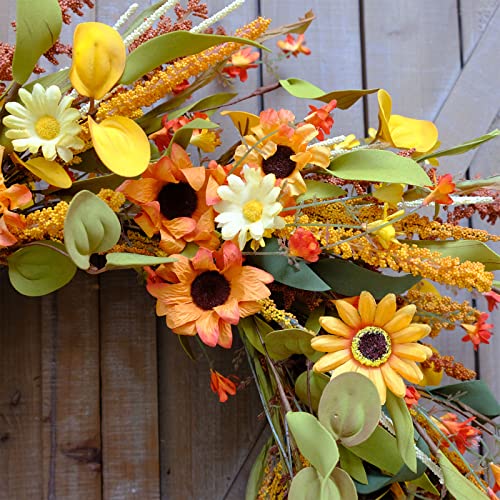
[371,346]
[252,210]
[47,127]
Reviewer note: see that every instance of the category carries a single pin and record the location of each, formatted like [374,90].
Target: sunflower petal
[335,326]
[407,369]
[401,319]
[348,313]
[367,307]
[329,343]
[393,380]
[411,333]
[207,327]
[412,351]
[376,377]
[332,360]
[386,309]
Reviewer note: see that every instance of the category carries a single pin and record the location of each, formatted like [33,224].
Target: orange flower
[172,196]
[493,299]
[209,293]
[240,62]
[461,434]
[181,87]
[303,244]
[221,385]
[478,333]
[412,396]
[276,147]
[495,469]
[11,197]
[442,190]
[321,119]
[293,47]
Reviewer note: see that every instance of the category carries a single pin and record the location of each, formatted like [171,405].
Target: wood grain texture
[71,442]
[129,402]
[20,395]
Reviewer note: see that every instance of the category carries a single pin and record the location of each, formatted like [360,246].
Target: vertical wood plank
[70,386]
[128,390]
[20,395]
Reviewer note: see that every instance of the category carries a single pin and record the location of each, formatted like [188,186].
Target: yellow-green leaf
[352,464]
[40,269]
[344,483]
[281,344]
[133,260]
[209,102]
[317,383]
[121,145]
[38,25]
[307,485]
[90,227]
[49,171]
[318,189]
[184,134]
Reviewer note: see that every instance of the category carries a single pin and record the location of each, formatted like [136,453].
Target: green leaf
[132,260]
[473,393]
[59,78]
[403,425]
[314,441]
[141,16]
[465,187]
[307,485]
[94,185]
[40,269]
[349,279]
[462,148]
[317,383]
[425,484]
[184,341]
[352,464]
[312,322]
[344,483]
[211,101]
[350,408]
[299,27]
[251,326]
[183,135]
[472,250]
[38,25]
[318,189]
[460,487]
[256,472]
[305,90]
[90,227]
[282,344]
[165,48]
[379,166]
[300,276]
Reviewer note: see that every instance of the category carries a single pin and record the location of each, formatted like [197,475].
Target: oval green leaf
[133,260]
[281,344]
[40,269]
[38,25]
[184,134]
[379,166]
[307,485]
[403,425]
[320,190]
[165,48]
[314,441]
[90,227]
[350,408]
[344,483]
[352,464]
[317,383]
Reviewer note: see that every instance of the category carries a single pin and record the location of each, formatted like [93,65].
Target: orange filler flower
[209,293]
[479,333]
[493,298]
[461,434]
[376,340]
[293,47]
[222,386]
[303,244]
[240,62]
[172,196]
[321,118]
[411,396]
[441,191]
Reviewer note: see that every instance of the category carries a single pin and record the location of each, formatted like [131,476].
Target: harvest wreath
[314,249]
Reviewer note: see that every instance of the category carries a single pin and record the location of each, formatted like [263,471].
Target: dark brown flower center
[210,289]
[371,346]
[280,163]
[177,200]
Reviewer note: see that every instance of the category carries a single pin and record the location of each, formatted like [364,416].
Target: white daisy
[45,121]
[249,208]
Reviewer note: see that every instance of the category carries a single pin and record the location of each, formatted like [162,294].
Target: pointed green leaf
[211,101]
[314,441]
[352,464]
[349,279]
[133,260]
[317,383]
[40,269]
[282,344]
[305,90]
[94,185]
[378,166]
[251,326]
[318,189]
[460,487]
[462,148]
[472,250]
[425,484]
[307,485]
[184,134]
[350,408]
[38,25]
[257,472]
[90,227]
[403,425]
[165,48]
[468,186]
[59,78]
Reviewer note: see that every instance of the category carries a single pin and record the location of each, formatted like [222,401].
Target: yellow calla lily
[98,59]
[242,120]
[49,171]
[121,145]
[401,131]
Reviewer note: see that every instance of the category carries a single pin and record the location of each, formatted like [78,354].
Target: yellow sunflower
[376,340]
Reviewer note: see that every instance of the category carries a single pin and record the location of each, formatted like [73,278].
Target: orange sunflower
[172,196]
[276,147]
[376,340]
[209,293]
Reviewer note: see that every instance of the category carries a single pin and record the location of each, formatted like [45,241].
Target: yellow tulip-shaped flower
[376,340]
[403,132]
[98,59]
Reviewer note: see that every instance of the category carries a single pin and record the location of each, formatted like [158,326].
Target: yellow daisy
[376,340]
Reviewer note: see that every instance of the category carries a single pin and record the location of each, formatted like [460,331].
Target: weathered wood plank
[70,386]
[128,389]
[20,395]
